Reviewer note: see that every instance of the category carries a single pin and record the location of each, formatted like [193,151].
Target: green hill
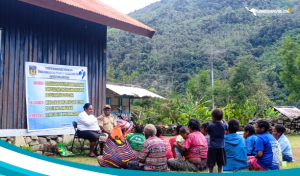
[192,32]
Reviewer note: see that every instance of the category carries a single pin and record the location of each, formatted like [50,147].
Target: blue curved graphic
[110,171]
[82,73]
[8,169]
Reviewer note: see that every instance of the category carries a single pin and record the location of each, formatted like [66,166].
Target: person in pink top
[167,144]
[195,147]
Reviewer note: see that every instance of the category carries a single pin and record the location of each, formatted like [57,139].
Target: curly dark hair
[86,106]
[280,129]
[183,130]
[194,124]
[158,130]
[139,128]
[263,123]
[233,125]
[178,128]
[250,129]
[205,125]
[217,114]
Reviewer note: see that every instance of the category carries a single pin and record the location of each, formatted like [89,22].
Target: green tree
[221,92]
[127,78]
[198,84]
[243,79]
[290,73]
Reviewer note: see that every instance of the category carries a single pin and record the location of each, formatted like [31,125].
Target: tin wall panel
[31,33]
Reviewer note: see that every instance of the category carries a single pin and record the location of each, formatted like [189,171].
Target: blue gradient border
[6,168]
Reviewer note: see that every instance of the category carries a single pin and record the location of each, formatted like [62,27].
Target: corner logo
[255,12]
[32,70]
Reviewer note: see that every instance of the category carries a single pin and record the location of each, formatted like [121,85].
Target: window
[108,100]
[125,105]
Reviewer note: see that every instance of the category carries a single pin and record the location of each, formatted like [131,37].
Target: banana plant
[195,108]
[269,112]
[244,113]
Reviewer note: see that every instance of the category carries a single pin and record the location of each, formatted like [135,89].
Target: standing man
[107,120]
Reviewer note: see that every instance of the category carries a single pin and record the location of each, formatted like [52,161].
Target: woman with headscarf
[117,151]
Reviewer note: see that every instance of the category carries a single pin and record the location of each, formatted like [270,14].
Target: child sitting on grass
[183,135]
[250,137]
[236,152]
[267,157]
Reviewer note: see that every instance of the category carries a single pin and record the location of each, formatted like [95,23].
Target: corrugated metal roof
[133,92]
[96,11]
[289,111]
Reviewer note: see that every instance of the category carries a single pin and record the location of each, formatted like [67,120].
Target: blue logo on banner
[82,73]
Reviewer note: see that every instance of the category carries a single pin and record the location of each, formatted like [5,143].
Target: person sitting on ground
[250,137]
[117,151]
[173,140]
[183,135]
[88,128]
[235,147]
[204,132]
[137,139]
[285,145]
[267,157]
[216,152]
[167,144]
[153,156]
[195,147]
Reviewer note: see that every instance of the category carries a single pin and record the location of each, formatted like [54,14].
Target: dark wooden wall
[34,34]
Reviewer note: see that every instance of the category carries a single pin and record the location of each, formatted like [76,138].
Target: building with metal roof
[121,96]
[288,111]
[62,32]
[95,11]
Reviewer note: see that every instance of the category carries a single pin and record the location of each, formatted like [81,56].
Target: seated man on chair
[107,121]
[88,128]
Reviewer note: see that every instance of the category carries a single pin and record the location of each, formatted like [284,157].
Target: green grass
[80,159]
[294,140]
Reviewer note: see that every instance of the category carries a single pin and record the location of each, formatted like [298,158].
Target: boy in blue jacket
[235,148]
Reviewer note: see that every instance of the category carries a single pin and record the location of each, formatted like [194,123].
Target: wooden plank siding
[31,33]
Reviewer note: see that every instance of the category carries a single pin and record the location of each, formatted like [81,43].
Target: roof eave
[90,16]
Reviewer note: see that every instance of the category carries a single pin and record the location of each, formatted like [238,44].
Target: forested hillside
[192,33]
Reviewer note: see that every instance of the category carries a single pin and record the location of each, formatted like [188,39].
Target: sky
[127,6]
